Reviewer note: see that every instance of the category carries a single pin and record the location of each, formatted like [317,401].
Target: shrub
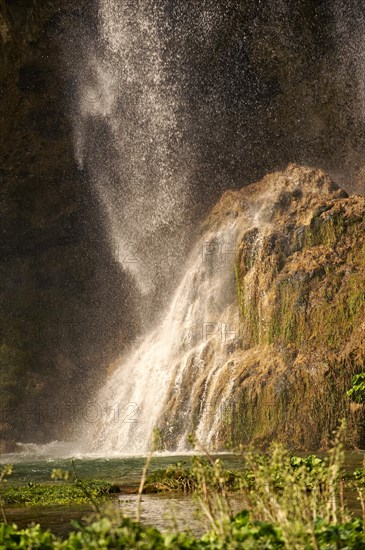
[357,391]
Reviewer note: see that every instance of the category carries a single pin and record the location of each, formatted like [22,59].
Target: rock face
[300,276]
[59,276]
[301,294]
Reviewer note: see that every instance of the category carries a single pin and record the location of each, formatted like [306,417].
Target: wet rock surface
[300,276]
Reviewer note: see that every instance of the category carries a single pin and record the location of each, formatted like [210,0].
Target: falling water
[141,170]
[180,378]
[195,323]
[129,133]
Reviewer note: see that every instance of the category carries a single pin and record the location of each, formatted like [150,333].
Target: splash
[129,134]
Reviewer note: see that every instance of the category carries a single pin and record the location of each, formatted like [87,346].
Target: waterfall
[180,378]
[130,135]
[141,150]
[196,332]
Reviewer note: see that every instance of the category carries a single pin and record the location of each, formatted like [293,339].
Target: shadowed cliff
[59,277]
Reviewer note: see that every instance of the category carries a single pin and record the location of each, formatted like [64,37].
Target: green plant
[176,477]
[6,471]
[12,538]
[357,390]
[82,492]
[302,498]
[290,503]
[245,533]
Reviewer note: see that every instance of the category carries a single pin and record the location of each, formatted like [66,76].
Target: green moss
[305,315]
[333,322]
[249,305]
[251,317]
[288,321]
[79,492]
[324,231]
[312,321]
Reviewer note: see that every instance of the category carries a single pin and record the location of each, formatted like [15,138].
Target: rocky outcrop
[300,272]
[282,370]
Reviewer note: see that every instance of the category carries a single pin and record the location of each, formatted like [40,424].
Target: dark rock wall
[64,307]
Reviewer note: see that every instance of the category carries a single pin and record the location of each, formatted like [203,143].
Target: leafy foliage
[180,477]
[126,534]
[357,391]
[57,493]
[33,537]
[290,502]
[359,476]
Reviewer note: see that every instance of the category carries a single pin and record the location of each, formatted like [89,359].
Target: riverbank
[187,496]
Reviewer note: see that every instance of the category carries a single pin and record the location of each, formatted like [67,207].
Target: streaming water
[130,136]
[180,378]
[195,332]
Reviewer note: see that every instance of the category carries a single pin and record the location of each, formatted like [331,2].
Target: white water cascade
[181,378]
[196,332]
[129,134]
